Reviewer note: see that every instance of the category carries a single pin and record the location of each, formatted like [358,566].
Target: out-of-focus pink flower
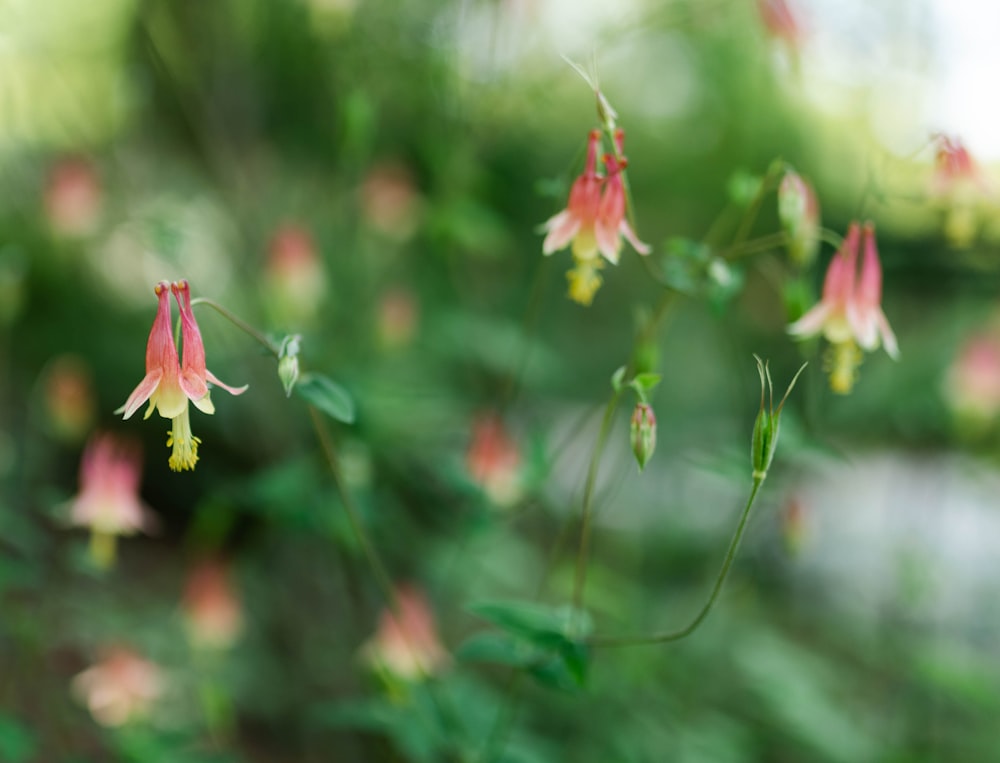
[122,687]
[494,460]
[972,385]
[108,502]
[212,611]
[294,275]
[798,210]
[794,530]
[576,223]
[954,167]
[73,197]
[69,397]
[389,201]
[168,386]
[398,317]
[780,22]
[850,313]
[406,644]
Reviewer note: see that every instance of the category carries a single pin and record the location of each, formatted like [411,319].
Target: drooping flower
[972,384]
[168,386]
[594,220]
[494,460]
[121,688]
[73,198]
[294,281]
[642,433]
[108,502]
[959,188]
[212,611]
[849,313]
[953,166]
[577,221]
[780,22]
[612,224]
[406,644]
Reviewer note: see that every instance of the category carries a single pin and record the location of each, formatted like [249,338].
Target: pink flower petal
[142,393]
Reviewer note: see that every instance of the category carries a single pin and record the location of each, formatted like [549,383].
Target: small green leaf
[326,395]
[617,377]
[647,381]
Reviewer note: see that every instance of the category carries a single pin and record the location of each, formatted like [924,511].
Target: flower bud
[766,426]
[798,211]
[643,433]
[288,363]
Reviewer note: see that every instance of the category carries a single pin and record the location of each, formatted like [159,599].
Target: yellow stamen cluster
[585,280]
[184,443]
[842,362]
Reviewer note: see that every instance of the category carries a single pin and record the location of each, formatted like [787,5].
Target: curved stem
[240,324]
[691,627]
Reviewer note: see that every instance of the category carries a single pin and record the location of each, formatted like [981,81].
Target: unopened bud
[798,211]
[643,433]
[288,363]
[766,426]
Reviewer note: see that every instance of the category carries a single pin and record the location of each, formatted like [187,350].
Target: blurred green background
[372,176]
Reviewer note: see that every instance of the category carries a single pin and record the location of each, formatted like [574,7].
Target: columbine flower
[494,460]
[972,384]
[594,220]
[959,187]
[576,223]
[108,502]
[612,223]
[406,644]
[850,314]
[73,198]
[212,612]
[167,385]
[120,688]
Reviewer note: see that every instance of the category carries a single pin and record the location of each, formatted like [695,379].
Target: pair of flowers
[594,219]
[170,383]
[849,313]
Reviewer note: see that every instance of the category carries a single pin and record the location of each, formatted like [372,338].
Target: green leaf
[326,395]
[617,377]
[647,381]
[535,621]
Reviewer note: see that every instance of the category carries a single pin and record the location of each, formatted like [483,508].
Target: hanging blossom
[122,688]
[594,220]
[959,188]
[169,384]
[849,314]
[108,502]
[406,644]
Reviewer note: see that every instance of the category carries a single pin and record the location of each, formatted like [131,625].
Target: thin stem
[270,346]
[580,579]
[691,627]
[371,556]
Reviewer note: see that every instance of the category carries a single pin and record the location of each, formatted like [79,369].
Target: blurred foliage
[371,177]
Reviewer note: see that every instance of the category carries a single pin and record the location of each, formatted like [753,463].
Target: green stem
[382,578]
[691,627]
[580,579]
[241,324]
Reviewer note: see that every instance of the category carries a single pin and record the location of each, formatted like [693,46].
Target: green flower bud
[766,426]
[643,433]
[288,363]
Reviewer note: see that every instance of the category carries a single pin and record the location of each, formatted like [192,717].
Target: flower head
[850,313]
[494,460]
[169,384]
[120,688]
[954,166]
[406,644]
[212,611]
[576,223]
[594,220]
[108,502]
